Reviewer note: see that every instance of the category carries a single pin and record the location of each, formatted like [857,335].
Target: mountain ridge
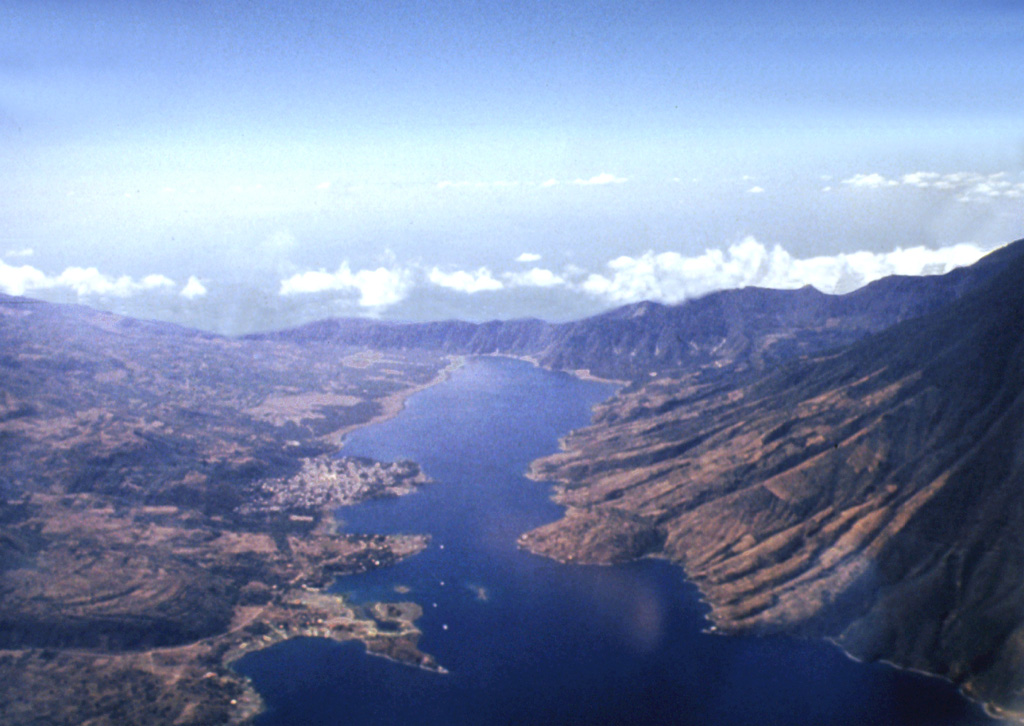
[832,466]
[743,329]
[869,495]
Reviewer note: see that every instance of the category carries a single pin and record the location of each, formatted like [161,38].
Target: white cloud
[463,281]
[316,281]
[90,281]
[24,252]
[19,280]
[83,281]
[535,277]
[377,288]
[324,185]
[549,183]
[920,178]
[604,178]
[672,277]
[150,282]
[193,288]
[755,190]
[870,181]
[528,257]
[966,186]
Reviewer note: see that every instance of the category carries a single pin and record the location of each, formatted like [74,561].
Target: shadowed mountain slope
[873,495]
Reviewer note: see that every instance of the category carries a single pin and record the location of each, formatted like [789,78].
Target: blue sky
[243,165]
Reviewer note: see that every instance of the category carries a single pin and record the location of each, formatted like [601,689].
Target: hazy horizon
[239,167]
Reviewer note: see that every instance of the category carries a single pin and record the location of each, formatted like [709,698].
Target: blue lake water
[531,641]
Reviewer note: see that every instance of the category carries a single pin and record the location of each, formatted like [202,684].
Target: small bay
[531,641]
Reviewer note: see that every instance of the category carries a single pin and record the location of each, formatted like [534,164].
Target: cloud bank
[668,277]
[376,288]
[672,277]
[535,277]
[968,186]
[83,281]
[463,281]
[869,181]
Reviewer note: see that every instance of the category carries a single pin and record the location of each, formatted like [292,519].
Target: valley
[841,467]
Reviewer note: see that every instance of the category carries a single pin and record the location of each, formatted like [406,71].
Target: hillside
[162,511]
[871,495]
[840,466]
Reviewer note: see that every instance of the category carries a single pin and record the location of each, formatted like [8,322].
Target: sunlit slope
[875,494]
[165,505]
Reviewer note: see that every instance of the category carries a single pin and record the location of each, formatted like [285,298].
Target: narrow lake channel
[531,641]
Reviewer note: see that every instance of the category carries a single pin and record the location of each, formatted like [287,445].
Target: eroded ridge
[870,495]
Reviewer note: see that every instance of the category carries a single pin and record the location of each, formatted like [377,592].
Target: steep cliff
[872,495]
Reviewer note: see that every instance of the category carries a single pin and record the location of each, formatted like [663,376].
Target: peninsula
[839,466]
[844,467]
[166,504]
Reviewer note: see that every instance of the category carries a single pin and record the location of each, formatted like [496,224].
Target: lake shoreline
[619,630]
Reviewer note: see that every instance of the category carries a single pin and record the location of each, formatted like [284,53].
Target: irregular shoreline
[989,708]
[397,644]
[167,506]
[331,617]
[569,544]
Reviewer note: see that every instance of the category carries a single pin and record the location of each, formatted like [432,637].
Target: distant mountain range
[844,466]
[746,329]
